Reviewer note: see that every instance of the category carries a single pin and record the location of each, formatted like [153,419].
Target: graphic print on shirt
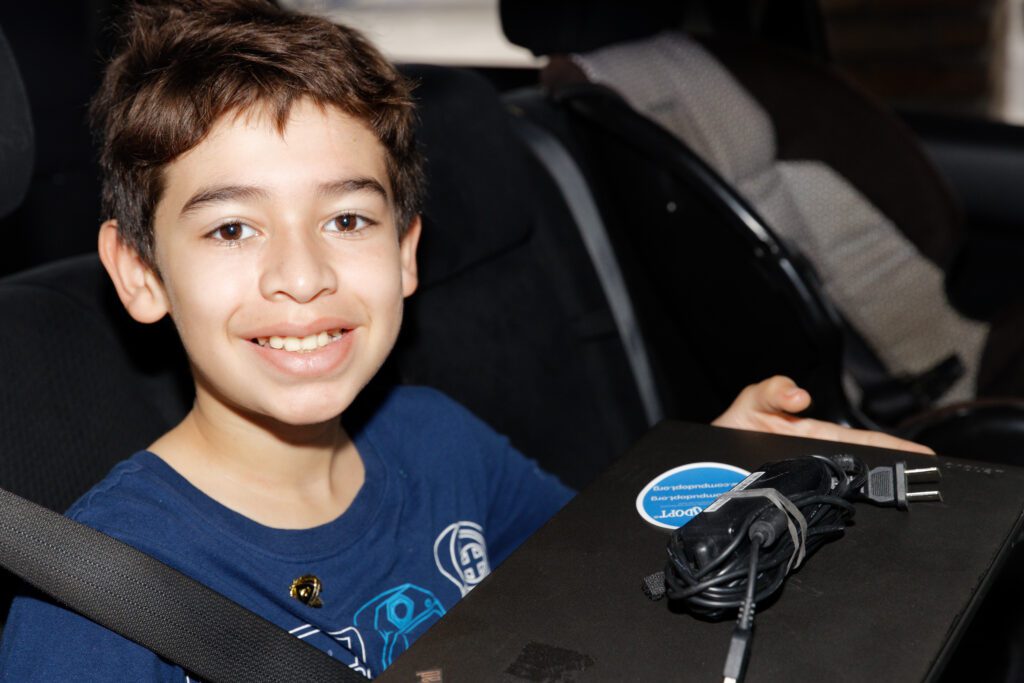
[393,616]
[349,638]
[461,555]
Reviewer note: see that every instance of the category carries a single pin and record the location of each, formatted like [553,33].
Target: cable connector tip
[739,653]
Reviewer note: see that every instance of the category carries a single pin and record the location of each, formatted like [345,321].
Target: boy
[265,180]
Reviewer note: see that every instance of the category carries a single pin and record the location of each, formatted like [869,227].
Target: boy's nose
[296,266]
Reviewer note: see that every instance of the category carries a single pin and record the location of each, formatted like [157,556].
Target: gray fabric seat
[883,285]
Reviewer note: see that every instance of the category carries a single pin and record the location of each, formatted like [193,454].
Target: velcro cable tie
[792,513]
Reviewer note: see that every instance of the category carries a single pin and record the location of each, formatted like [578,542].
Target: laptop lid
[568,605]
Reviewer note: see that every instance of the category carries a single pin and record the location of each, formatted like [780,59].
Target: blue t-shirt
[445,499]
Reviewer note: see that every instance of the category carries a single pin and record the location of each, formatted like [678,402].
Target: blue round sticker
[675,497]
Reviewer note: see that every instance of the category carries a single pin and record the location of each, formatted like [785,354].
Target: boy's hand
[770,406]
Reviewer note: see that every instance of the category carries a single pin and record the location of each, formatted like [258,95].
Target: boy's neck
[282,476]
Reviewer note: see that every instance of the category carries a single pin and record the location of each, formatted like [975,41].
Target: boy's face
[280,262]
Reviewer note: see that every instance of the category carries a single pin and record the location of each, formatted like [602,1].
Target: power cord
[739,550]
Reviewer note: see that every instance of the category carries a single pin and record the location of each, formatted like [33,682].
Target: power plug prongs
[889,485]
[922,475]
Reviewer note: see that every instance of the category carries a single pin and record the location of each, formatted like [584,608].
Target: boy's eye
[347,222]
[232,232]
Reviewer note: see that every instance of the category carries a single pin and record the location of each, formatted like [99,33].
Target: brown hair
[184,64]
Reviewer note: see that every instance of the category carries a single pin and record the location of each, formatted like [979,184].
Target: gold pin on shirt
[306,589]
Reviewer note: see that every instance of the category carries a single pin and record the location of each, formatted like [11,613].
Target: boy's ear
[407,248]
[138,287]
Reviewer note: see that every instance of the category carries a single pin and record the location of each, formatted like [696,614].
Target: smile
[305,344]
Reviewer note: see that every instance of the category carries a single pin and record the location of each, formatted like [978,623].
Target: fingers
[737,415]
[781,394]
[759,404]
[771,405]
[828,431]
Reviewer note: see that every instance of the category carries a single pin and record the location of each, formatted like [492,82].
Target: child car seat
[828,170]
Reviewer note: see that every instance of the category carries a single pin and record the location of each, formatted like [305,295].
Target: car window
[451,32]
[963,58]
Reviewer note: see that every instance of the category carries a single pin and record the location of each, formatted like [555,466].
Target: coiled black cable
[720,585]
[754,564]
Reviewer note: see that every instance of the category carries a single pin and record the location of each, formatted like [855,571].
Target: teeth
[298,344]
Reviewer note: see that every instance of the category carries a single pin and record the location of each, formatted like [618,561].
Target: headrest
[556,27]
[16,146]
[477,172]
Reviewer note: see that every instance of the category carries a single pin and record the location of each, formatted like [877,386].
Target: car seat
[821,166]
[510,317]
[57,44]
[16,142]
[836,177]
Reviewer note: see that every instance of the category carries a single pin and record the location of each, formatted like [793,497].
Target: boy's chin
[295,413]
[308,416]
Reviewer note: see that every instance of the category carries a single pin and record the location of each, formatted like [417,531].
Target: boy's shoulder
[131,503]
[138,503]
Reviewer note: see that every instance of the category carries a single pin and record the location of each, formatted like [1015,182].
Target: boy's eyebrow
[341,187]
[224,193]
[227,193]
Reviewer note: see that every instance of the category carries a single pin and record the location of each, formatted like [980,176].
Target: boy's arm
[45,642]
[771,406]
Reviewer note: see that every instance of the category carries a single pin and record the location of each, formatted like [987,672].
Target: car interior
[590,263]
[767,161]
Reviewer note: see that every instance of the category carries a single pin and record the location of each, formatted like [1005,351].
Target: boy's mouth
[305,344]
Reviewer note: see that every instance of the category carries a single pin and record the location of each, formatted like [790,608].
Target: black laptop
[885,602]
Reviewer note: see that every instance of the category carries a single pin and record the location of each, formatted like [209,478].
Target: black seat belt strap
[154,605]
[567,175]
